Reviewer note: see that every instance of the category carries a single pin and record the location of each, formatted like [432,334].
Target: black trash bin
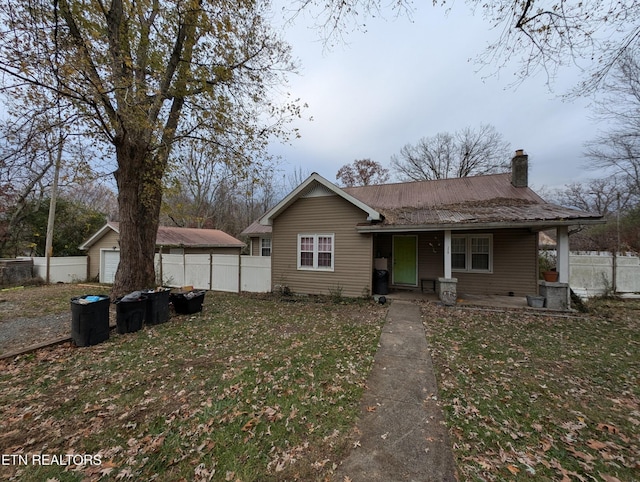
[157,306]
[89,319]
[188,303]
[130,311]
[381,282]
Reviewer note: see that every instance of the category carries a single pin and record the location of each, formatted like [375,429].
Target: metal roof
[421,194]
[182,237]
[195,237]
[479,201]
[476,202]
[255,228]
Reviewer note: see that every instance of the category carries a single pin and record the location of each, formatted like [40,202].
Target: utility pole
[52,209]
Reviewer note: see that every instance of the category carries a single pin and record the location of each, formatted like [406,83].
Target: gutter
[534,225]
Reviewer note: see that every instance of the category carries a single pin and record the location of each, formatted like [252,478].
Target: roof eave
[538,225]
[98,234]
[200,246]
[267,218]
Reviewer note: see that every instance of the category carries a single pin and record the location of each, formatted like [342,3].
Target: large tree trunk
[139,179]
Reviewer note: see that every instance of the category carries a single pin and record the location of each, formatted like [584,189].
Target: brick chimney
[520,169]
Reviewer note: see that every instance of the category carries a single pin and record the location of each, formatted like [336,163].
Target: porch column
[447,286]
[447,254]
[558,295]
[562,235]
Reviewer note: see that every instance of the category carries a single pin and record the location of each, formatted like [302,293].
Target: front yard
[538,397]
[266,388]
[250,389]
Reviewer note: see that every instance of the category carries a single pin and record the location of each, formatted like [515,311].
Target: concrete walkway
[402,436]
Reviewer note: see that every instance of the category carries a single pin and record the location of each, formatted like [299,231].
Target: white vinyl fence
[67,269]
[217,272]
[598,273]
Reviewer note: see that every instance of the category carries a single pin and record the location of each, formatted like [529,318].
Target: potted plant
[550,275]
[547,266]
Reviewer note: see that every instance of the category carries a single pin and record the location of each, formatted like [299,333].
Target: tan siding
[353,252]
[254,247]
[108,241]
[514,262]
[430,256]
[514,266]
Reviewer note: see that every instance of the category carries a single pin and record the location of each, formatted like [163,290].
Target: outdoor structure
[473,235]
[103,247]
[259,239]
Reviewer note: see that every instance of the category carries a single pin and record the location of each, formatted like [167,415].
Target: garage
[109,260]
[103,248]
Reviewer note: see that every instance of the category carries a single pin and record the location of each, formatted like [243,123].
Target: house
[259,239]
[473,235]
[104,251]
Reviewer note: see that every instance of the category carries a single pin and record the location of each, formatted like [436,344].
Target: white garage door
[109,265]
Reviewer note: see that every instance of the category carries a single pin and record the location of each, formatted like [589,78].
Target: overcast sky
[405,79]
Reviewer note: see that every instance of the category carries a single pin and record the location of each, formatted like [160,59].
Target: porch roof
[479,202]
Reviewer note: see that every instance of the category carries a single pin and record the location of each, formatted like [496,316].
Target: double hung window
[265,246]
[472,252]
[316,251]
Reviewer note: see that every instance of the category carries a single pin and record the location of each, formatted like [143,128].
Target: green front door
[405,257]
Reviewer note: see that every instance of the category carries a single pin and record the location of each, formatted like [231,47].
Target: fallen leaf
[513,469]
[596,444]
[582,455]
[609,478]
[250,424]
[607,428]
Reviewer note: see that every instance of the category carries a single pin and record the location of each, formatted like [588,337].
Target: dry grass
[537,397]
[252,388]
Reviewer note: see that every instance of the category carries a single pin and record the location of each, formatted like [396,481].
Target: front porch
[481,267]
[487,301]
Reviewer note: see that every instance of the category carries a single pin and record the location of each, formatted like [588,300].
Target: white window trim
[261,247]
[467,257]
[315,237]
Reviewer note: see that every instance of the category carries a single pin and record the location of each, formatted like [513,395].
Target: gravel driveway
[22,332]
[33,315]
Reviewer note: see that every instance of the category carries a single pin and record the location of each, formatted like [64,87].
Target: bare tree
[468,152]
[204,191]
[94,193]
[35,145]
[538,36]
[295,178]
[362,172]
[603,196]
[618,148]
